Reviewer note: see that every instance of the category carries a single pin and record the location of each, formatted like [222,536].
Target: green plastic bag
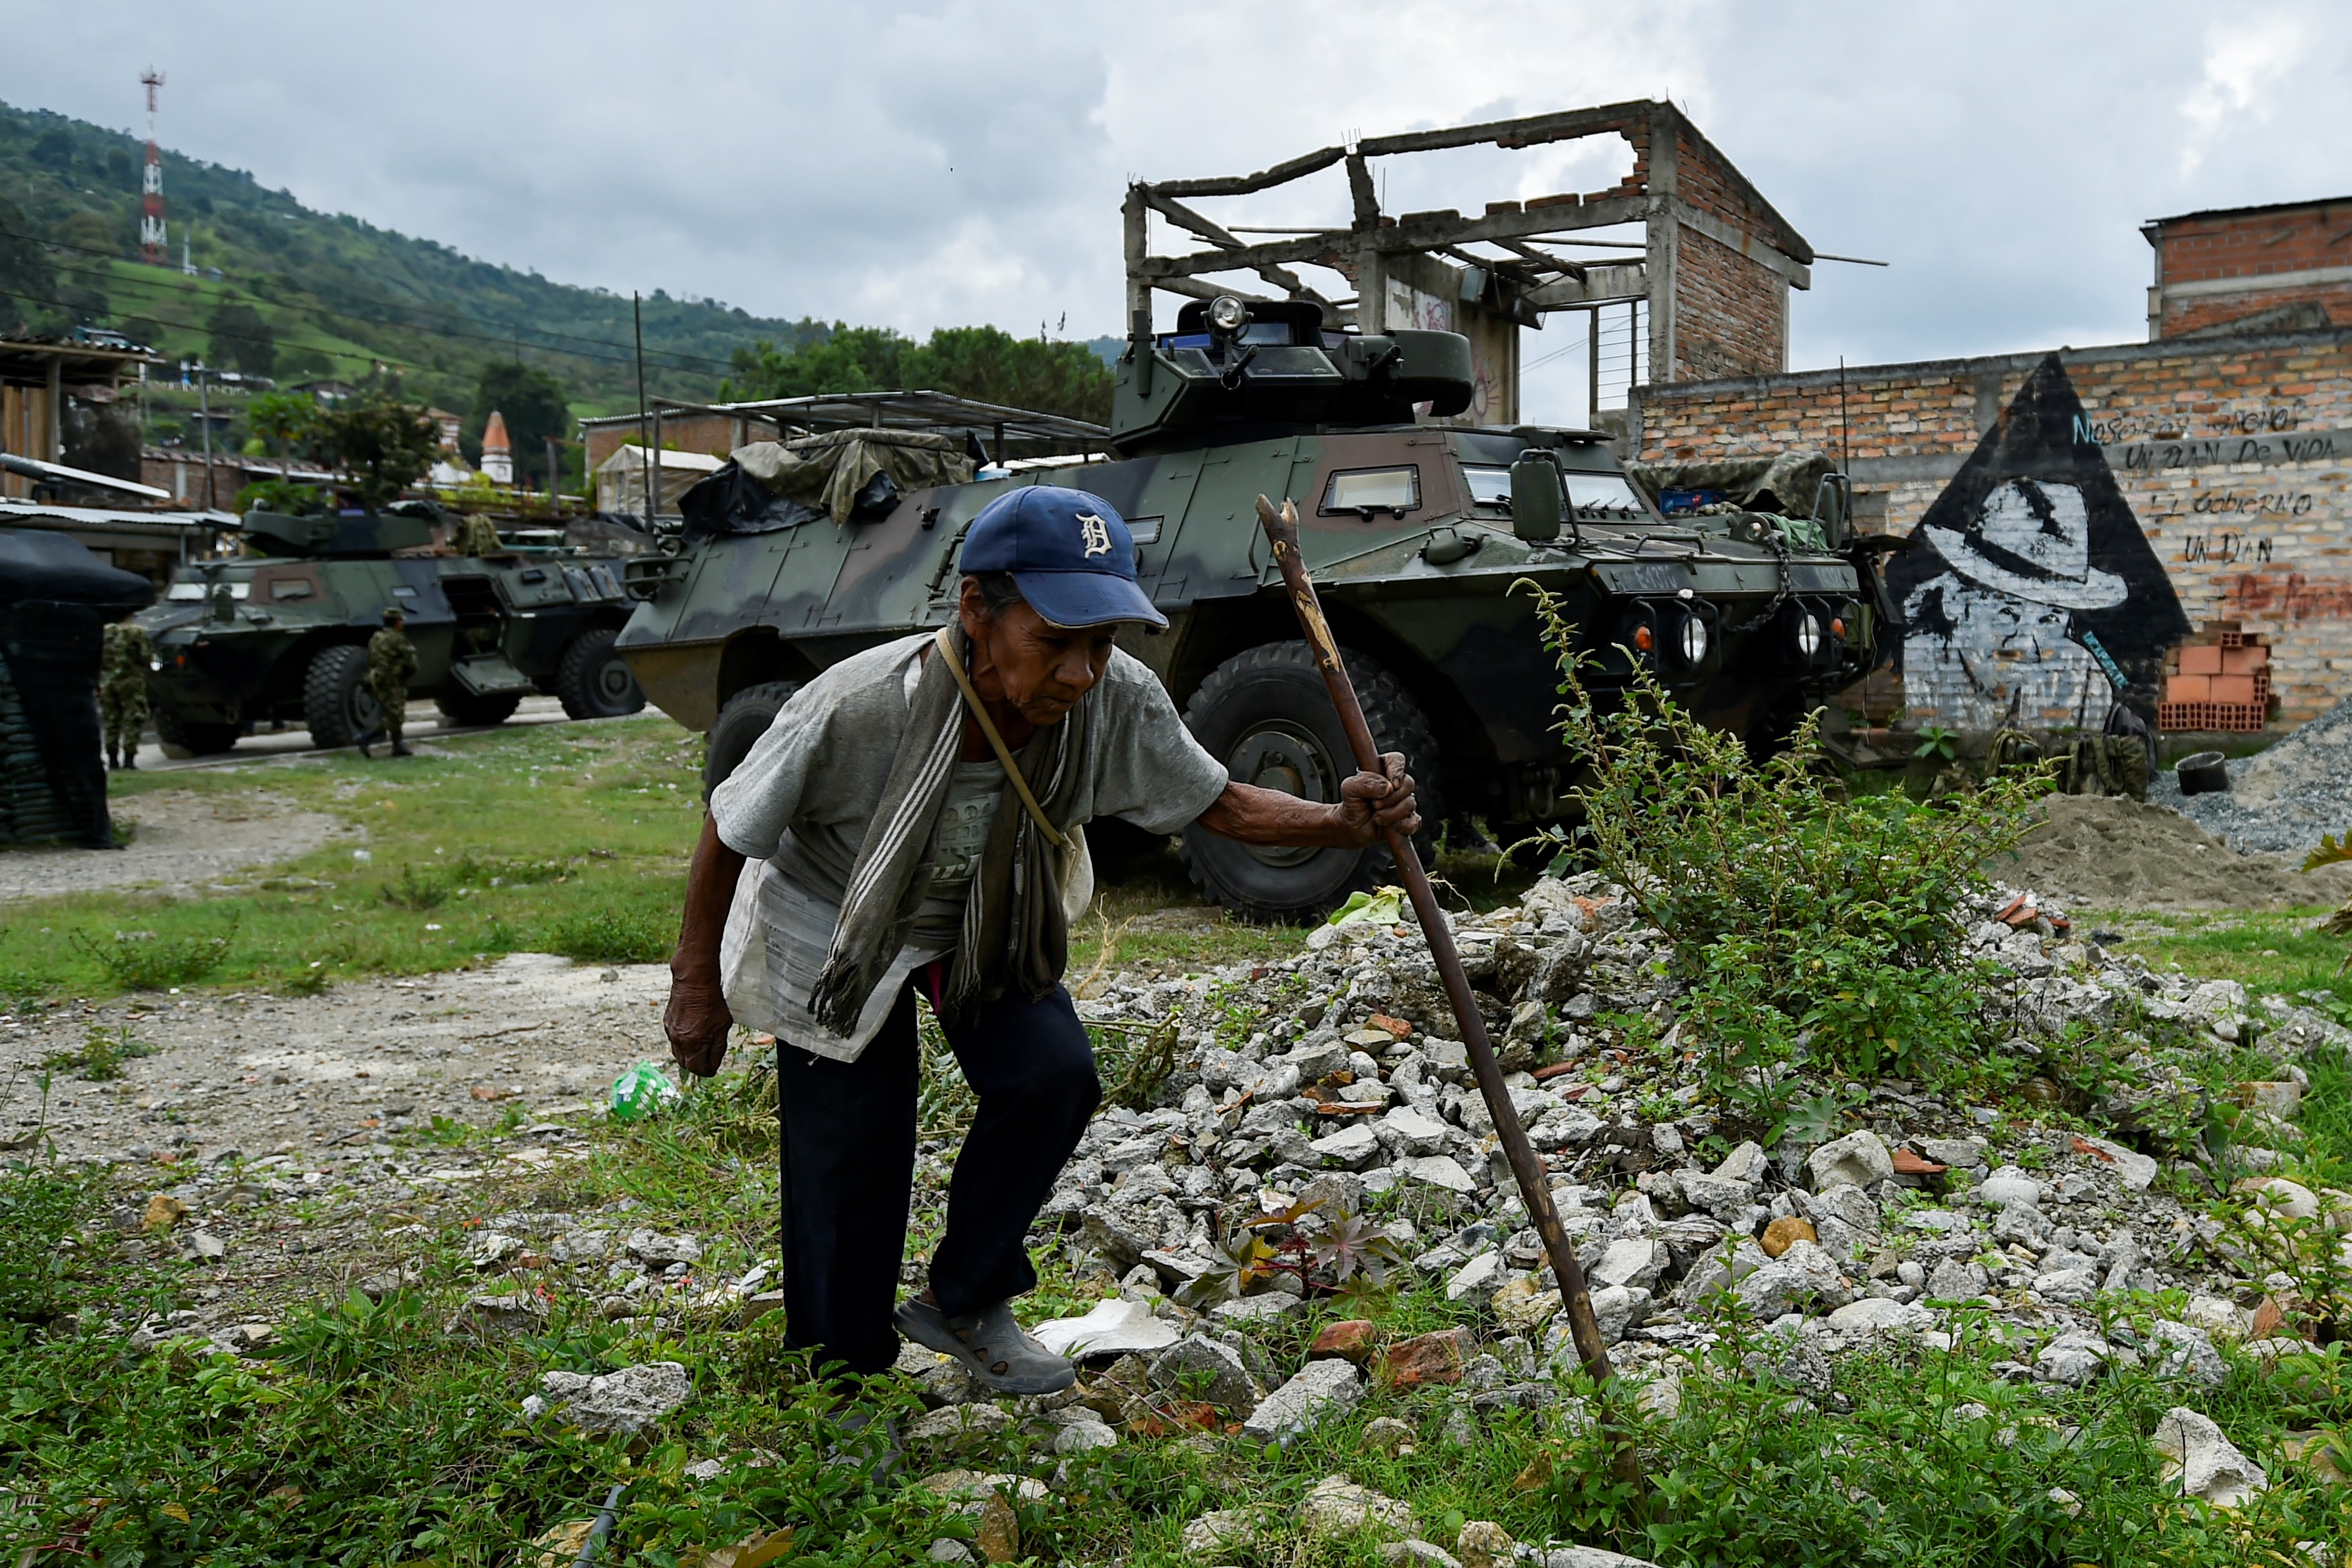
[1382,907]
[641,1091]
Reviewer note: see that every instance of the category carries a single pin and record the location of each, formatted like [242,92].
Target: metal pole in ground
[1535,1185]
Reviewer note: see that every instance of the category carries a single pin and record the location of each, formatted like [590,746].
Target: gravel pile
[1355,1085]
[2282,800]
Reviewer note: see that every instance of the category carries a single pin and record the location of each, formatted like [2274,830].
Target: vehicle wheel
[594,682]
[465,708]
[742,720]
[182,738]
[1269,716]
[337,708]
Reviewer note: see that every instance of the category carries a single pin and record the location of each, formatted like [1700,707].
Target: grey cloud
[796,160]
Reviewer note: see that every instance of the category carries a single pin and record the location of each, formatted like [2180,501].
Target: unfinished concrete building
[1683,268]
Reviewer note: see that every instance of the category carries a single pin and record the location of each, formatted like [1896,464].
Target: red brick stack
[2218,681]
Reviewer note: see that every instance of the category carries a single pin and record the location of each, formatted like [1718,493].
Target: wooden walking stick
[1282,531]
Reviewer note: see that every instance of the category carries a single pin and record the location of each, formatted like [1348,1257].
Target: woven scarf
[1014,933]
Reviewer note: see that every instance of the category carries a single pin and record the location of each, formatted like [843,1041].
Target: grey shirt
[801,799]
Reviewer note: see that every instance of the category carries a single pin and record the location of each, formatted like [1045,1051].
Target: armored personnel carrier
[1414,531]
[279,633]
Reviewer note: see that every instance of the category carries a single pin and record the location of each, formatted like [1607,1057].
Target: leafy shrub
[412,891]
[38,1209]
[103,1051]
[438,881]
[143,961]
[615,936]
[1781,894]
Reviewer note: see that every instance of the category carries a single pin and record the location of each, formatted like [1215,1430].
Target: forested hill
[327,295]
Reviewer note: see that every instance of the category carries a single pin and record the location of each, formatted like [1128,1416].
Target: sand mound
[2107,852]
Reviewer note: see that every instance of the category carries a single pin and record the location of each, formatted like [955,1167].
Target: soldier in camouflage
[476,536]
[391,661]
[125,655]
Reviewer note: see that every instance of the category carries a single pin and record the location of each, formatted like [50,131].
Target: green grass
[2283,953]
[562,838]
[366,1436]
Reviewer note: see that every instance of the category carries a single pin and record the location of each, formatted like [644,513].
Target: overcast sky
[920,165]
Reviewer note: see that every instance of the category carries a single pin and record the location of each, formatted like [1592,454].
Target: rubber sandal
[990,1345]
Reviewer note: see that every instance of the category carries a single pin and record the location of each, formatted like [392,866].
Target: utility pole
[637,315]
[205,418]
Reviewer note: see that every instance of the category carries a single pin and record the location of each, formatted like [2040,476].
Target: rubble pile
[1350,1084]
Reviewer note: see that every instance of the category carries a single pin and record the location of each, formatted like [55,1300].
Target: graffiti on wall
[2029,557]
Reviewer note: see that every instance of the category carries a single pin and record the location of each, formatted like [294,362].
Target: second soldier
[392,663]
[125,655]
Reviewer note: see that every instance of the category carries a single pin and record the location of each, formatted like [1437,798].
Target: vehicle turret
[1236,370]
[329,535]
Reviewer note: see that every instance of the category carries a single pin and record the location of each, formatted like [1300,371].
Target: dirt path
[265,1074]
[182,843]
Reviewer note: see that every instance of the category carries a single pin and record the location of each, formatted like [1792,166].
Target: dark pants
[849,1163]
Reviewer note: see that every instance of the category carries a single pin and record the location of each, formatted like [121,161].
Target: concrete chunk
[1858,1159]
[1321,1389]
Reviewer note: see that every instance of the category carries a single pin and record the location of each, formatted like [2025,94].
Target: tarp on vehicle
[1784,483]
[843,475]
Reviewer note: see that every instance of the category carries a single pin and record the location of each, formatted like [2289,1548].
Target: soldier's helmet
[394,615]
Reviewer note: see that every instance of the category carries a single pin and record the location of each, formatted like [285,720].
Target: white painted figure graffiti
[2029,560]
[1996,627]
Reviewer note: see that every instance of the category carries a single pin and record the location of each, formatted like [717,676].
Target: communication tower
[154,240]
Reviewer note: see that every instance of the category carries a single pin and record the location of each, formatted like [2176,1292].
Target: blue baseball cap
[1069,552]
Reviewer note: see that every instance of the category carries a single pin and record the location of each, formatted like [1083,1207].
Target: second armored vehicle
[280,633]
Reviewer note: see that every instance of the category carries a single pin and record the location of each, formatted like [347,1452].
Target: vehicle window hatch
[1365,491]
[1489,486]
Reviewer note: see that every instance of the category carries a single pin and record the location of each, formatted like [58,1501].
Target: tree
[385,444]
[242,338]
[26,276]
[281,419]
[535,408]
[984,363]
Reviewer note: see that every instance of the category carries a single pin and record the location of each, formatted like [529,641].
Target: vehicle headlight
[1227,314]
[1809,634]
[1694,641]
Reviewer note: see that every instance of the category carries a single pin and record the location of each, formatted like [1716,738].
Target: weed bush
[615,936]
[102,1053]
[38,1209]
[1793,907]
[143,961]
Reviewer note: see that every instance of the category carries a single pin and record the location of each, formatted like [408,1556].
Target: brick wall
[2234,453]
[2185,313]
[1730,313]
[2251,244]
